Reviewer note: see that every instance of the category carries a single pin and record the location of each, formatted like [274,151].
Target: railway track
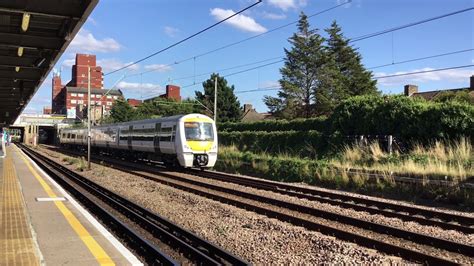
[195,249]
[407,213]
[441,252]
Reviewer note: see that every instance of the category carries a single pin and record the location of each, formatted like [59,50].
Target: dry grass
[453,159]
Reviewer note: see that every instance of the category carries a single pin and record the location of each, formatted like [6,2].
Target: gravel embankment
[256,238]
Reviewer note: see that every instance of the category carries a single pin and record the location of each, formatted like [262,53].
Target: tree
[355,79]
[121,112]
[228,107]
[301,73]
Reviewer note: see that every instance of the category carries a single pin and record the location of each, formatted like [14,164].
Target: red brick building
[172,92]
[134,102]
[66,98]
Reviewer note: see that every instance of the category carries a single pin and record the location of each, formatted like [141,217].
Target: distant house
[134,102]
[250,114]
[412,91]
[172,92]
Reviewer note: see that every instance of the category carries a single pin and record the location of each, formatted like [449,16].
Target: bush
[297,143]
[409,119]
[318,124]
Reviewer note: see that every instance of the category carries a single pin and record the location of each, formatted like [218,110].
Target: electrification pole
[215,99]
[88,118]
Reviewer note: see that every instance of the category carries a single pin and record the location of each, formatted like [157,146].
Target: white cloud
[287,4]
[273,15]
[85,41]
[240,21]
[452,75]
[158,67]
[148,88]
[69,62]
[269,84]
[111,64]
[170,31]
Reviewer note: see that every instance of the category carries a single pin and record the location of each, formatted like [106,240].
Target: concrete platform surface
[42,224]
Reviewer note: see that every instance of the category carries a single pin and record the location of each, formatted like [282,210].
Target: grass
[453,160]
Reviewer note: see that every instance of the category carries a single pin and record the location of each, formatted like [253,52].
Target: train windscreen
[199,131]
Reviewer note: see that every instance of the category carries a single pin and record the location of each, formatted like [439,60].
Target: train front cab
[198,135]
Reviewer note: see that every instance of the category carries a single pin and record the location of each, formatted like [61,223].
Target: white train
[187,140]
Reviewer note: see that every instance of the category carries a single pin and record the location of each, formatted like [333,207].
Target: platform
[41,224]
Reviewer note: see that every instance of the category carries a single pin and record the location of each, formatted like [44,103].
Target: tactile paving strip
[16,241]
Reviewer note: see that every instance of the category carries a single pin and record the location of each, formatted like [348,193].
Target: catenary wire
[185,39]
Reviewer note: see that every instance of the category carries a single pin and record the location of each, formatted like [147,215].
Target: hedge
[410,119]
[318,124]
[299,143]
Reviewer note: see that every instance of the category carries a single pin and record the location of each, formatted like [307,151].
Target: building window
[115,97]
[73,101]
[73,94]
[99,103]
[109,97]
[109,103]
[80,94]
[92,102]
[80,101]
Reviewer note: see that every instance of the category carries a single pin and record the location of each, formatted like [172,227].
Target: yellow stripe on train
[200,145]
[198,119]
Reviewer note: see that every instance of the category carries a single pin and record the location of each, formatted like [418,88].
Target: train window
[68,135]
[199,131]
[165,134]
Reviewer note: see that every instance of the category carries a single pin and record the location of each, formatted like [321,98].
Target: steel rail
[192,245]
[147,250]
[335,199]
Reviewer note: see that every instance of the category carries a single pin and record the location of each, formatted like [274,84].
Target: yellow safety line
[94,247]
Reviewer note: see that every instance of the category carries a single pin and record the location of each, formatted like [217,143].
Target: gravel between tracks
[254,237]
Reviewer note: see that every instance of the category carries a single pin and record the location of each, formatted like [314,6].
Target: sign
[71,113]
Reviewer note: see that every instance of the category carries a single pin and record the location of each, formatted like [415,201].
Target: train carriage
[186,140]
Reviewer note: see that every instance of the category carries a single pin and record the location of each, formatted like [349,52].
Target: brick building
[134,102]
[66,99]
[172,92]
[412,91]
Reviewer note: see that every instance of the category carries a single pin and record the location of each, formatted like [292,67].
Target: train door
[129,139]
[166,138]
[156,140]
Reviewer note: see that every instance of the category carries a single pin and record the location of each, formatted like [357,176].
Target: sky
[119,32]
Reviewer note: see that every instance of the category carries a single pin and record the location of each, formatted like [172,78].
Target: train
[189,141]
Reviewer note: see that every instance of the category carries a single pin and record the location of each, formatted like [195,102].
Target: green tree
[458,96]
[354,78]
[121,112]
[301,74]
[228,107]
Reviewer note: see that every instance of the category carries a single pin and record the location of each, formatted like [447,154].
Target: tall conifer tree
[356,80]
[300,74]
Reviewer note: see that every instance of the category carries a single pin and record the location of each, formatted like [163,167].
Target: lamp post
[88,118]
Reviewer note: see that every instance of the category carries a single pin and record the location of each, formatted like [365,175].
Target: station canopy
[33,36]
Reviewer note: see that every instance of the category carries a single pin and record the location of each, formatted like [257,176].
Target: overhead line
[371,35]
[424,71]
[249,38]
[185,39]
[422,58]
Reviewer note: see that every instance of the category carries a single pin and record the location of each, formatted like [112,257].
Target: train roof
[135,122]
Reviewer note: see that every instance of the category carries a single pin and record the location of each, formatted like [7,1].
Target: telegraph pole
[215,99]
[88,118]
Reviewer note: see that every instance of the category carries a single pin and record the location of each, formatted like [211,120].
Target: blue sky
[120,32]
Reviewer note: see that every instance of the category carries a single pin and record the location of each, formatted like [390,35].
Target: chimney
[247,107]
[472,83]
[410,90]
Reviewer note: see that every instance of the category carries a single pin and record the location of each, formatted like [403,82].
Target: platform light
[17,69]
[25,22]
[20,51]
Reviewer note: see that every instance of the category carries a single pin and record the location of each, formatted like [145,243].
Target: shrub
[317,123]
